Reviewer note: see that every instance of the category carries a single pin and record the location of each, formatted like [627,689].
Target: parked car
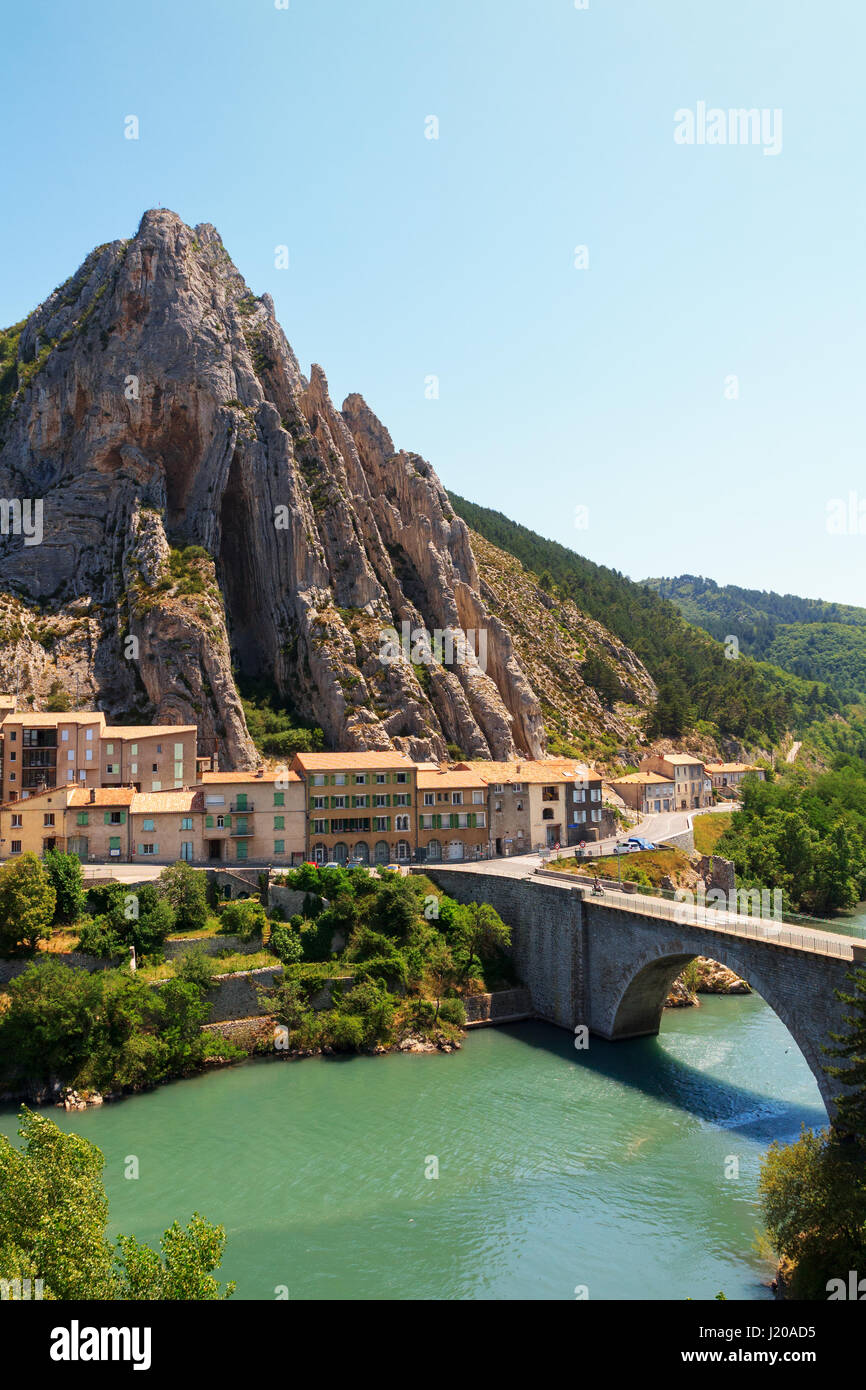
[331,864]
[622,849]
[635,842]
[356,864]
[390,868]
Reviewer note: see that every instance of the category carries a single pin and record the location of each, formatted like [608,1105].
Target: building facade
[692,786]
[361,807]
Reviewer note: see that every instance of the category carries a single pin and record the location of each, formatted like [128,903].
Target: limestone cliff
[207,508]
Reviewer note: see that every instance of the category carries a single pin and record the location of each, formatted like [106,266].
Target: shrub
[64,875]
[246,919]
[452,1011]
[196,967]
[286,944]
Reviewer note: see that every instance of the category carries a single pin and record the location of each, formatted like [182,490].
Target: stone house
[360,806]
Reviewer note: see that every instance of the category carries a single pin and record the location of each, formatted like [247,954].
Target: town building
[452,813]
[256,817]
[731,775]
[49,750]
[692,787]
[361,807]
[645,792]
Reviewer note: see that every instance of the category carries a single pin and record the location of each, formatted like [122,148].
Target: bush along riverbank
[369,965]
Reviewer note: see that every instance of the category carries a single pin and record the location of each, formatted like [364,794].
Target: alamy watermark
[22,516]
[736,126]
[703,904]
[444,646]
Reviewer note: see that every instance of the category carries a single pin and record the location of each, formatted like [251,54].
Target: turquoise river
[556,1168]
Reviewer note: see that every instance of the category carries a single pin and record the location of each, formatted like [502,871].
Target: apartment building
[50,750]
[452,813]
[646,792]
[257,817]
[93,823]
[692,786]
[360,806]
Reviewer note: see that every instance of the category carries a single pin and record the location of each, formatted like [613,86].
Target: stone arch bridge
[609,962]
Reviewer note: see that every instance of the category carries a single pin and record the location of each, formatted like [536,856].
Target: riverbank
[703,976]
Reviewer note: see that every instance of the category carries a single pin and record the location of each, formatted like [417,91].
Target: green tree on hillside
[64,875]
[184,888]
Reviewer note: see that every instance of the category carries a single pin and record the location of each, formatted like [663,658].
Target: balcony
[237,834]
[237,809]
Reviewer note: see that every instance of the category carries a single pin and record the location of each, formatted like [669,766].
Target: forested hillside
[813,639]
[699,686]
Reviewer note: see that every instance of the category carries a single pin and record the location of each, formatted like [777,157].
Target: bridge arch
[637,1009]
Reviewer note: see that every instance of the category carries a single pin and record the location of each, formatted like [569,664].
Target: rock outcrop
[207,511]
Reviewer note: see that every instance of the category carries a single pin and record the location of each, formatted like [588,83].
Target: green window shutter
[327,827]
[242,801]
[208,821]
[82,818]
[123,818]
[139,849]
[472,820]
[279,822]
[388,799]
[242,849]
[452,821]
[114,842]
[437,822]
[279,798]
[279,846]
[107,818]
[227,821]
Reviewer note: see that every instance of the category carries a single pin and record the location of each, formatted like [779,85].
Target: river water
[557,1168]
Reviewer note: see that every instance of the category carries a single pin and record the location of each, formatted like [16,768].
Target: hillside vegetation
[699,687]
[813,639]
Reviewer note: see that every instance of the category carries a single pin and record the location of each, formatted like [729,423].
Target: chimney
[260,772]
[92,795]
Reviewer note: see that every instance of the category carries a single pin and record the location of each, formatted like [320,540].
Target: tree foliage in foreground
[53,1220]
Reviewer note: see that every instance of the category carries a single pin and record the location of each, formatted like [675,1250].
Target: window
[148,849]
[380,801]
[480,819]
[114,844]
[112,769]
[64,736]
[178,752]
[133,748]
[154,767]
[320,853]
[360,778]
[279,798]
[381,822]
[403,849]
[477,798]
[178,772]
[401,823]
[16,847]
[241,846]
[320,827]
[156,786]
[319,781]
[319,803]
[402,776]
[279,822]
[48,818]
[88,755]
[214,801]
[109,748]
[426,822]
[186,823]
[456,799]
[429,799]
[517,787]
[497,806]
[70,756]
[279,846]
[17,821]
[595,794]
[380,777]
[116,818]
[401,800]
[339,779]
[13,757]
[159,748]
[221,820]
[520,807]
[186,850]
[338,802]
[360,801]
[89,735]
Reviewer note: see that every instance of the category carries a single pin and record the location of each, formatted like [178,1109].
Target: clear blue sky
[409,257]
